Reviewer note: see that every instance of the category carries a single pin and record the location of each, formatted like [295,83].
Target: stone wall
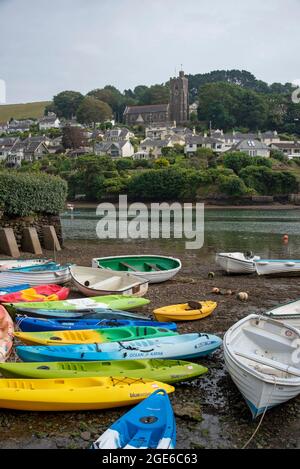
[37,221]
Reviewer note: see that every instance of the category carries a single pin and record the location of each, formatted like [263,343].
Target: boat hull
[235,263]
[278,268]
[182,312]
[75,394]
[166,371]
[6,334]
[58,277]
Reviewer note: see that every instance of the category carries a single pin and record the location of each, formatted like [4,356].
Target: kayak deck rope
[262,417]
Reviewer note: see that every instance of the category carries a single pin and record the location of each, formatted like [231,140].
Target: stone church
[177,110]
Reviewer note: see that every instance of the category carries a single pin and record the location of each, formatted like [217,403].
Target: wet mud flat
[210,411]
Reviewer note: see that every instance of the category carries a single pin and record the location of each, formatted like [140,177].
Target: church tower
[179,99]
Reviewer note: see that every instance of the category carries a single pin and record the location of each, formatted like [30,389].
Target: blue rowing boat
[149,425]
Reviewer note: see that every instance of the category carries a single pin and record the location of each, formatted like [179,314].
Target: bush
[268,182]
[239,160]
[233,186]
[23,194]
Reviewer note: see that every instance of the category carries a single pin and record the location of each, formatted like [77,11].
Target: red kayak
[38,293]
[6,334]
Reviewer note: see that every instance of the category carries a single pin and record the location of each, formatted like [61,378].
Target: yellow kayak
[75,394]
[185,312]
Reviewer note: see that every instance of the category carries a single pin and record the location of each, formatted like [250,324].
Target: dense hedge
[23,194]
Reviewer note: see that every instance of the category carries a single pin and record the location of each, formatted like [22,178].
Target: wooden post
[8,243]
[31,242]
[51,242]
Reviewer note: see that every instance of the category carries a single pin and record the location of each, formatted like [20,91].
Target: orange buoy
[285,239]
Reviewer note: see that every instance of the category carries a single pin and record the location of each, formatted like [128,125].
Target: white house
[51,121]
[252,148]
[154,147]
[289,149]
[117,134]
[194,142]
[122,149]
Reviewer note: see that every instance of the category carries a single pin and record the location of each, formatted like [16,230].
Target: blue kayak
[185,346]
[14,289]
[27,324]
[149,425]
[95,313]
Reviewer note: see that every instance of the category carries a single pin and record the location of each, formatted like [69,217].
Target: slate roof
[147,108]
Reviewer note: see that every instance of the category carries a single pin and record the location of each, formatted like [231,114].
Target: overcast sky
[52,45]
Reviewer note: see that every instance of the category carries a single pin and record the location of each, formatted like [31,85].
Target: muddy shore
[210,412]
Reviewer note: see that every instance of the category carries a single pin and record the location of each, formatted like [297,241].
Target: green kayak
[118,302]
[166,371]
[93,336]
[155,269]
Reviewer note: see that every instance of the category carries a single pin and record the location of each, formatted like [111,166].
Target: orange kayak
[6,334]
[39,293]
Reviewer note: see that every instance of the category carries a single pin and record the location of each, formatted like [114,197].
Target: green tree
[93,111]
[66,103]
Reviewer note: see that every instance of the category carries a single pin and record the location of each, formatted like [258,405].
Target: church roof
[147,108]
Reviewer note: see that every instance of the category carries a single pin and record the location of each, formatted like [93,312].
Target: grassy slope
[22,111]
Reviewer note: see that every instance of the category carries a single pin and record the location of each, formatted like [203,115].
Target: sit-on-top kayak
[92,336]
[149,425]
[39,293]
[13,289]
[185,312]
[166,371]
[97,313]
[121,302]
[184,346]
[26,324]
[75,394]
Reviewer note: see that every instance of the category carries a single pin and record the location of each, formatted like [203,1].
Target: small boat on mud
[149,425]
[155,269]
[99,314]
[28,324]
[166,371]
[8,264]
[263,361]
[6,334]
[37,275]
[185,312]
[75,394]
[278,267]
[237,262]
[288,313]
[95,282]
[185,346]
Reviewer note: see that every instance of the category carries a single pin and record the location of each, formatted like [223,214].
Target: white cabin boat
[262,358]
[237,262]
[95,282]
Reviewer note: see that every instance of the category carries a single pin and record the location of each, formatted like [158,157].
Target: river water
[260,231]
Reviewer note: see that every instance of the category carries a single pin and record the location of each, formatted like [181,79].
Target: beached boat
[27,324]
[278,267]
[95,313]
[92,336]
[14,288]
[120,302]
[185,312]
[38,275]
[155,269]
[262,359]
[237,262]
[75,394]
[8,264]
[166,371]
[38,293]
[149,425]
[6,334]
[95,282]
[287,312]
[185,346]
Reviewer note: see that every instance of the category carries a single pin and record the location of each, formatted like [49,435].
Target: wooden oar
[270,363]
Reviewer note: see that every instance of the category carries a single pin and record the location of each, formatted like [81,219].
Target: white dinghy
[237,262]
[278,267]
[263,358]
[8,264]
[95,282]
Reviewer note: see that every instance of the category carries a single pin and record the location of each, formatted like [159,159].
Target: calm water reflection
[225,230]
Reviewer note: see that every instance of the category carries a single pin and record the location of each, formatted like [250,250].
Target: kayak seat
[141,439]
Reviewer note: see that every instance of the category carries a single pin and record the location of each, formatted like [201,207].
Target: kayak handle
[204,335]
[160,391]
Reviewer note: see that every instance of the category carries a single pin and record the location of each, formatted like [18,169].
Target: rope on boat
[262,417]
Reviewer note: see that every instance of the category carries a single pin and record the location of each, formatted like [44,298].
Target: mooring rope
[263,415]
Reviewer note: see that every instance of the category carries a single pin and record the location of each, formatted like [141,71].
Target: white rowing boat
[95,282]
[7,264]
[263,358]
[279,267]
[37,275]
[237,262]
[287,312]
